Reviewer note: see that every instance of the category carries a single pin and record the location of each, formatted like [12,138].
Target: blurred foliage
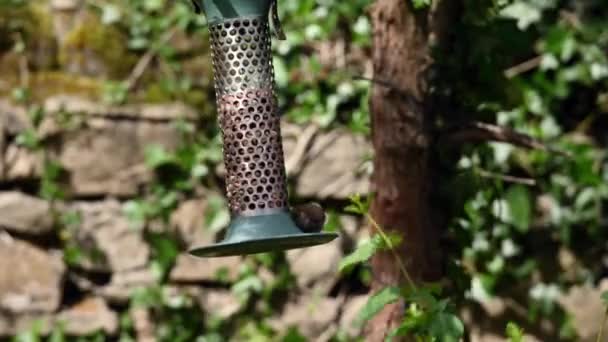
[536,66]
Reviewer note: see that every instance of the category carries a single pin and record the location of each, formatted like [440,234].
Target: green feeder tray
[262,233]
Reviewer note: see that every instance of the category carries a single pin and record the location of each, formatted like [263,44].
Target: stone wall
[101,153]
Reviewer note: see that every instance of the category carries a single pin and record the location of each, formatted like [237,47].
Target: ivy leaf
[378,301]
[358,205]
[363,253]
[605,298]
[514,332]
[281,72]
[520,208]
[217,216]
[165,250]
[526,14]
[446,327]
[28,139]
[419,4]
[422,297]
[110,14]
[156,156]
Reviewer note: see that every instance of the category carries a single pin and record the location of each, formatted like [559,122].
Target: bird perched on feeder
[309,217]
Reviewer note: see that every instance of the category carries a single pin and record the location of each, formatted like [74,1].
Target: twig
[392,249]
[146,59]
[523,67]
[24,72]
[507,178]
[480,132]
[303,143]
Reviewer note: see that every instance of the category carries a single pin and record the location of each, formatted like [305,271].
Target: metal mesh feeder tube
[250,124]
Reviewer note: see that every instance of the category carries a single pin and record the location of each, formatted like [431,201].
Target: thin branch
[523,67]
[388,242]
[146,59]
[506,178]
[24,72]
[480,132]
[303,143]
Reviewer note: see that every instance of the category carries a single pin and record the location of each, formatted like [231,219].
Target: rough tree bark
[402,180]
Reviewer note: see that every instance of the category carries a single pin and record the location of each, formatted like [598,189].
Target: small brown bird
[309,217]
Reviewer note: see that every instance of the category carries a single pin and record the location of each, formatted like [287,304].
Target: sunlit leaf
[605,298]
[156,156]
[110,14]
[378,301]
[446,327]
[363,253]
[520,207]
[514,332]
[418,4]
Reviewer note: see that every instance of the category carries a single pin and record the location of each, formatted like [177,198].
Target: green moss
[93,40]
[49,83]
[41,26]
[46,84]
[32,21]
[154,93]
[31,24]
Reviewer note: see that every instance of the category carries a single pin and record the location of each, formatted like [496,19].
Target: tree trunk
[401,138]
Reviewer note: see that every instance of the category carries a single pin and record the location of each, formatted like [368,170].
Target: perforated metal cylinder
[248,116]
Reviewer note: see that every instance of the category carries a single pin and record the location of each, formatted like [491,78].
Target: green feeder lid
[260,234]
[220,10]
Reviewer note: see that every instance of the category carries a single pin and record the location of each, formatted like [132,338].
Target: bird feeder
[250,124]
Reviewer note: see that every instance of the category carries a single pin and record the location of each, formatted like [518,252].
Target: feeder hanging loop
[197,7]
[276,21]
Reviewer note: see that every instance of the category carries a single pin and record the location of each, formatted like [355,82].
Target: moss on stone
[50,83]
[91,44]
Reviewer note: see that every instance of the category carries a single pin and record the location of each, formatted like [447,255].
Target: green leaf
[110,14]
[526,14]
[57,334]
[378,301]
[165,251]
[153,5]
[363,253]
[520,207]
[422,296]
[28,139]
[246,286]
[446,327]
[514,332]
[281,72]
[358,205]
[217,215]
[419,4]
[605,298]
[156,156]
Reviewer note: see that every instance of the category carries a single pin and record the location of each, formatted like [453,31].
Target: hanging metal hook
[197,6]
[276,22]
